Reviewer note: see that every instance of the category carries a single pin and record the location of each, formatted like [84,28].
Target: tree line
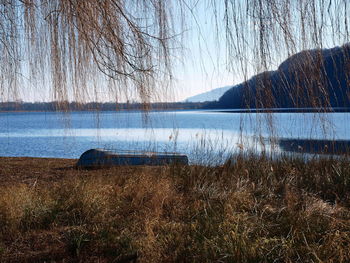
[96,106]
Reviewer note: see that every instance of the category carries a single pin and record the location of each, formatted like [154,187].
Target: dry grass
[249,210]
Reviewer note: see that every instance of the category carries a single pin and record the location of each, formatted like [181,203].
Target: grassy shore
[249,210]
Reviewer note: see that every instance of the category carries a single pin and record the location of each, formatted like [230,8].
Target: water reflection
[333,147]
[206,137]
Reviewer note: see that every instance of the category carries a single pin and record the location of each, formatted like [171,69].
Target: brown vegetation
[249,210]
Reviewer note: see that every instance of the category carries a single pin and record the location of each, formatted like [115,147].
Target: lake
[206,136]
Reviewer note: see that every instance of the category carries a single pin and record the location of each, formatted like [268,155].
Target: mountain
[309,79]
[211,95]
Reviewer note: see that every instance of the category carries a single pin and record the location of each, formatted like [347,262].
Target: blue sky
[203,65]
[200,67]
[206,63]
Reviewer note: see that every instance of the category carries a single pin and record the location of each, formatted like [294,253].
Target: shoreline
[253,110]
[286,110]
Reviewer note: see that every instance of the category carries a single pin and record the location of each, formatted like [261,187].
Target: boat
[106,158]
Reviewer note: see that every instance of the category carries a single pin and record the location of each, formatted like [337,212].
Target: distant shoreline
[155,107]
[96,106]
[285,110]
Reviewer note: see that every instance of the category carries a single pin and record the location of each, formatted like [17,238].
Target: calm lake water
[204,135]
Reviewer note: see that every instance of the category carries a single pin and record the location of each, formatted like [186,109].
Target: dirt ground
[30,171]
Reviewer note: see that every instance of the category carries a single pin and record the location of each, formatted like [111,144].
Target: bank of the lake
[249,210]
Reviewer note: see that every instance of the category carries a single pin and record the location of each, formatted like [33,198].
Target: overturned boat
[106,158]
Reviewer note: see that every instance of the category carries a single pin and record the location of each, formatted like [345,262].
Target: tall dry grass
[251,209]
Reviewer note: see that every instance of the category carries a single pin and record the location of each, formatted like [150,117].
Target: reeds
[251,209]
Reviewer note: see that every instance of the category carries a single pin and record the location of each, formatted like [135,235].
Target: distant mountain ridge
[309,79]
[211,95]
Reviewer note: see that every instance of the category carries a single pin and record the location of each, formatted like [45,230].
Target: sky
[200,67]
[204,62]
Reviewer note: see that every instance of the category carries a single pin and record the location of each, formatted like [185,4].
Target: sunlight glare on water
[200,134]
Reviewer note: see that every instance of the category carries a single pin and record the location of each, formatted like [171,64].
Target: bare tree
[79,46]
